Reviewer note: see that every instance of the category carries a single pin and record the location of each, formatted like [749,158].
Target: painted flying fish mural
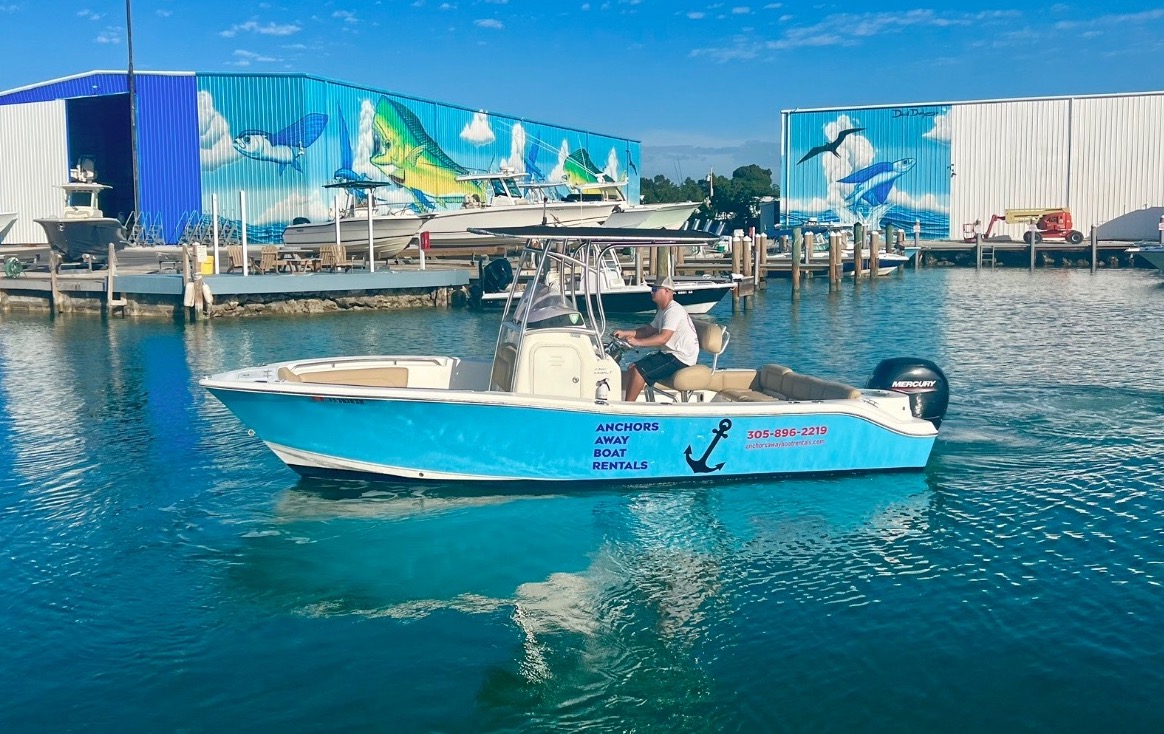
[283,139]
[873,166]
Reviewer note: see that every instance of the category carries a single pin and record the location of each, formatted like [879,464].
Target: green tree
[732,200]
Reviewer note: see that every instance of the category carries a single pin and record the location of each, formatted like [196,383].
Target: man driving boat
[671,330]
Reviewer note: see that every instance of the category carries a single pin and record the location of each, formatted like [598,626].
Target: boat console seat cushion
[780,381]
[358,377]
[698,376]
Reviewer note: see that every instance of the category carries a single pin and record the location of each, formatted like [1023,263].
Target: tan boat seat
[357,377]
[781,382]
[713,339]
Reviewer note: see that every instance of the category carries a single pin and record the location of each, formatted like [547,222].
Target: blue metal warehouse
[278,137]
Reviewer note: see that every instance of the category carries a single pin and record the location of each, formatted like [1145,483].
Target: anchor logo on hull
[700,466]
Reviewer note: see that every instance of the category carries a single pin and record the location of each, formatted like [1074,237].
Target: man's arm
[643,332]
[656,338]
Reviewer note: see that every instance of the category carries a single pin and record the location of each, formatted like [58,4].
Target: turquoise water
[164,571]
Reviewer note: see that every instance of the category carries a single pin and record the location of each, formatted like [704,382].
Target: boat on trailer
[547,406]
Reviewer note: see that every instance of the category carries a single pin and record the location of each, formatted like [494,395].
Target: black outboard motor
[921,379]
[496,276]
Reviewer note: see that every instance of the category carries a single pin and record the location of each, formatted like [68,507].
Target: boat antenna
[130,82]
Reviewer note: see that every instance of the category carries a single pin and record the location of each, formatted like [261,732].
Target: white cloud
[89,14]
[516,159]
[9,8]
[489,23]
[346,16]
[447,6]
[294,205]
[585,6]
[111,35]
[773,6]
[270,29]
[559,171]
[362,161]
[477,130]
[695,15]
[612,169]
[940,132]
[243,57]
[926,202]
[214,139]
[163,13]
[741,10]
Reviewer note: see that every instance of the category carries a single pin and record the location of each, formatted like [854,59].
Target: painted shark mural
[283,139]
[874,166]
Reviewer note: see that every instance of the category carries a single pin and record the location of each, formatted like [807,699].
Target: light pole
[132,104]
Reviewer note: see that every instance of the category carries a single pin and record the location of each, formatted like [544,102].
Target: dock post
[1033,232]
[797,243]
[1094,249]
[111,302]
[214,229]
[638,265]
[758,256]
[978,251]
[54,293]
[785,244]
[858,250]
[242,203]
[1161,226]
[737,257]
[874,253]
[834,259]
[746,258]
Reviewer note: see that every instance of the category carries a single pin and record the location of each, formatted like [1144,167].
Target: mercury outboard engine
[496,276]
[921,379]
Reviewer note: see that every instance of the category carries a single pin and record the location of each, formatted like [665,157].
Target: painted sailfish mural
[285,147]
[873,184]
[407,154]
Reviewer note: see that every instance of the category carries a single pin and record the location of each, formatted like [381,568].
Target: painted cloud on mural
[216,145]
[940,133]
[477,131]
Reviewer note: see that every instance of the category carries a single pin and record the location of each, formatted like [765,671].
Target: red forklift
[1049,224]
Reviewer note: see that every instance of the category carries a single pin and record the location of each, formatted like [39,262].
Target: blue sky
[700,83]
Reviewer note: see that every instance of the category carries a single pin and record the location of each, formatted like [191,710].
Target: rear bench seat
[777,382]
[357,376]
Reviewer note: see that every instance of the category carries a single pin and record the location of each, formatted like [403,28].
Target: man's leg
[633,379]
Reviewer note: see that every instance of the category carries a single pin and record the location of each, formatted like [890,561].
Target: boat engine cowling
[921,379]
[496,276]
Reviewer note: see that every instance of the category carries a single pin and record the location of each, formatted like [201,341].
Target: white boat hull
[651,216]
[7,219]
[390,235]
[450,229]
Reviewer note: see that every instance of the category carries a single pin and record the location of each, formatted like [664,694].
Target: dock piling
[797,243]
[214,229]
[54,291]
[874,253]
[1094,249]
[858,250]
[242,203]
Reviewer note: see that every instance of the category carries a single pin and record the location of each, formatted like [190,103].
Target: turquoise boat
[546,407]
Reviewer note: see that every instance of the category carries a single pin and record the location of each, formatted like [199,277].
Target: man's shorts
[658,366]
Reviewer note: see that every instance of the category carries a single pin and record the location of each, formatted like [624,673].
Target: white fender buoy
[207,296]
[188,296]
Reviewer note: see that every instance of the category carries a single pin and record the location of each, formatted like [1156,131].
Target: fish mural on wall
[285,147]
[579,168]
[409,156]
[873,184]
[873,166]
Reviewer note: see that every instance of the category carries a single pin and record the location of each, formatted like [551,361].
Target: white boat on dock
[356,225]
[547,406]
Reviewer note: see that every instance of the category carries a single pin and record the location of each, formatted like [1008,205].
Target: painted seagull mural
[285,147]
[873,184]
[830,147]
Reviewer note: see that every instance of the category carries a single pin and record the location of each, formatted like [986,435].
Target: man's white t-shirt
[684,343]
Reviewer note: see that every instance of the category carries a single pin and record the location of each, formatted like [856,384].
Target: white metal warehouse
[945,165]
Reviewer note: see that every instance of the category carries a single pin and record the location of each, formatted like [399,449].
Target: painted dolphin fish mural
[407,154]
[285,147]
[873,183]
[579,168]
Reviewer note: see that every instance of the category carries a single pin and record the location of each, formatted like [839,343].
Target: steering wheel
[617,347]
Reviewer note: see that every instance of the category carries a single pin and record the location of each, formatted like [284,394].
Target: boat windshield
[506,187]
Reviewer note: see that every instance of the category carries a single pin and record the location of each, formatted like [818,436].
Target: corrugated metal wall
[1007,155]
[35,161]
[246,121]
[167,139]
[1117,175]
[82,85]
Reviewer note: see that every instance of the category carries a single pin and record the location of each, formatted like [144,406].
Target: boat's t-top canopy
[565,290]
[81,199]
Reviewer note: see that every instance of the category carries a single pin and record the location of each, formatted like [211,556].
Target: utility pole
[711,183]
[132,106]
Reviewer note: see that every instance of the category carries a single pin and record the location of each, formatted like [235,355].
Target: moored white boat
[507,207]
[696,295]
[547,406]
[391,232]
[1151,254]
